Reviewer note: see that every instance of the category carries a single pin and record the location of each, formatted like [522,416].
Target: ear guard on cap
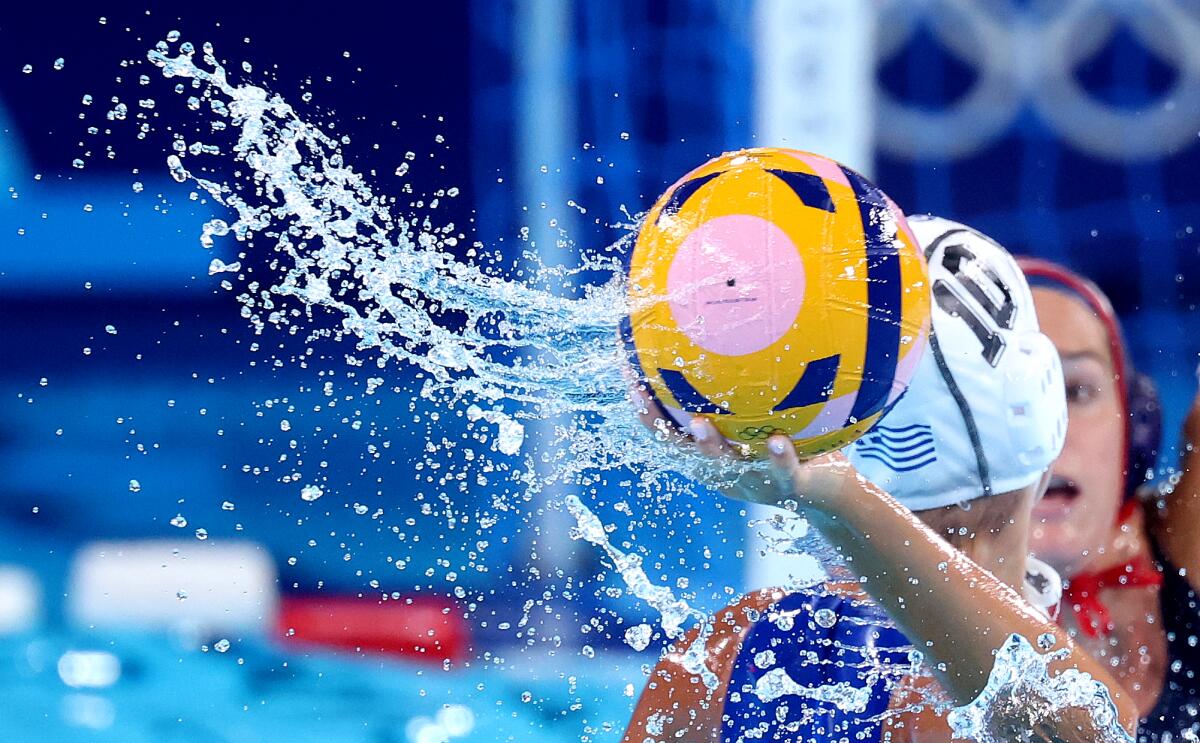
[1033,374]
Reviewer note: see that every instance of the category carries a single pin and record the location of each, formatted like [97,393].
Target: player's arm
[1178,526]
[676,705]
[936,595]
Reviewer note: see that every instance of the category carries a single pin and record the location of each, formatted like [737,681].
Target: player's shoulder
[818,633]
[792,662]
[818,662]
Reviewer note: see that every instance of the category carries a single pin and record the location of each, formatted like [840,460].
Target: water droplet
[27,69]
[179,521]
[221,645]
[217,266]
[135,486]
[638,636]
[60,63]
[216,227]
[176,169]
[765,659]
[825,618]
[311,492]
[915,659]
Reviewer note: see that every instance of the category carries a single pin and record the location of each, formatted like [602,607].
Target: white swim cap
[986,410]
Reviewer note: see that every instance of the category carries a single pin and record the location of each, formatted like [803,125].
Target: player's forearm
[957,613]
[952,610]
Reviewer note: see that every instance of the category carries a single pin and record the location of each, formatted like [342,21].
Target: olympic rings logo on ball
[759,433]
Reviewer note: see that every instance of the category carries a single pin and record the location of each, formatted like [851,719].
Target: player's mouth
[1057,502]
[1061,487]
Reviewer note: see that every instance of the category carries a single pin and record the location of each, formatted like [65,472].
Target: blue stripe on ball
[883,299]
[814,385]
[811,189]
[688,396]
[636,362]
[683,193]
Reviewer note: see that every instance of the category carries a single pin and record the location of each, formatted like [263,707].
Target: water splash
[674,612]
[1021,696]
[512,349]
[776,683]
[497,351]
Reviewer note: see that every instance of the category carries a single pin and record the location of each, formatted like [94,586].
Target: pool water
[152,687]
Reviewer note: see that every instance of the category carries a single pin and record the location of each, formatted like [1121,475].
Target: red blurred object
[419,629]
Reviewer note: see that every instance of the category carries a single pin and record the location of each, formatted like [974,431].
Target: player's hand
[752,484]
[827,482]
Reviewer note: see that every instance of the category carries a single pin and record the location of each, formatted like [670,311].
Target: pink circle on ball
[736,284]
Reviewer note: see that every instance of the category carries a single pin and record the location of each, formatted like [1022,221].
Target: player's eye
[1080,393]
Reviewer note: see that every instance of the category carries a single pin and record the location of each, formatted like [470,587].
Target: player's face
[1075,517]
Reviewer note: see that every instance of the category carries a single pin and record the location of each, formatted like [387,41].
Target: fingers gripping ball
[776,291]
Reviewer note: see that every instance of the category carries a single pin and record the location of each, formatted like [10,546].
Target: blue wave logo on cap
[900,449]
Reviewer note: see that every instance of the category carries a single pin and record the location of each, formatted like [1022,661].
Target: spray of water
[391,283]
[673,611]
[513,350]
[1021,697]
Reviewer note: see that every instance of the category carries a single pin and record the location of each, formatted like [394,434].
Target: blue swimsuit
[829,645]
